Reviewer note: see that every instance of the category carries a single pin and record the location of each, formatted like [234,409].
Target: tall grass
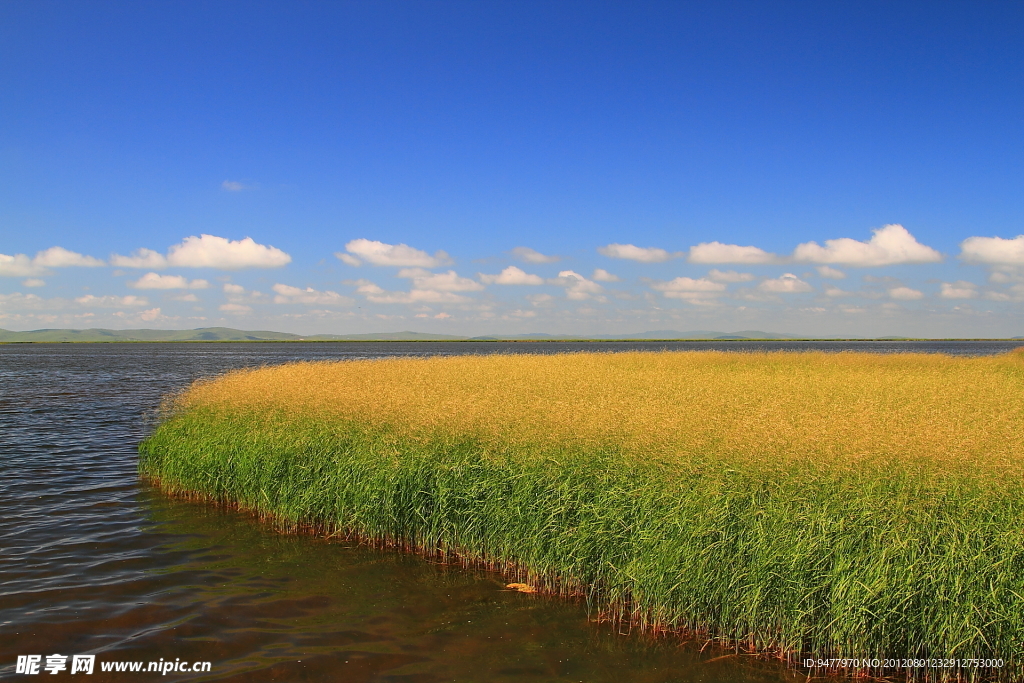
[850,505]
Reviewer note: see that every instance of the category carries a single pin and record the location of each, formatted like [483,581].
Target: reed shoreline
[696,492]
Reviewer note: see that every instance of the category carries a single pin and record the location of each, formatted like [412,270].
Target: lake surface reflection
[95,562]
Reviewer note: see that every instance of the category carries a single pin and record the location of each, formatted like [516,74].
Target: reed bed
[853,506]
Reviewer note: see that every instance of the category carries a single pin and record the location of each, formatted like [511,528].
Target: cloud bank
[59,257]
[634,253]
[689,288]
[905,294]
[577,287]
[716,252]
[157,281]
[511,276]
[786,284]
[532,256]
[286,294]
[381,254]
[888,246]
[993,250]
[20,265]
[439,282]
[960,289]
[207,251]
[377,294]
[602,275]
[729,276]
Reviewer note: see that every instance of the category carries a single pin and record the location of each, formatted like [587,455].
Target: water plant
[855,506]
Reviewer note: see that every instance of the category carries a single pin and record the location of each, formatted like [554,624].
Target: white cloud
[20,265]
[835,291]
[415,296]
[716,252]
[210,251]
[576,286]
[729,276]
[18,301]
[1005,275]
[183,297]
[441,282]
[381,254]
[1016,293]
[532,256]
[140,258]
[565,277]
[889,245]
[905,293]
[993,250]
[689,288]
[207,251]
[602,275]
[348,259]
[232,186]
[151,315]
[829,272]
[286,294]
[634,253]
[112,301]
[511,276]
[961,289]
[59,257]
[236,309]
[541,300]
[377,294]
[237,294]
[156,281]
[33,282]
[686,284]
[787,284]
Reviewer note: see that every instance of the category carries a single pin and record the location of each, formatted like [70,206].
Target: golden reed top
[761,407]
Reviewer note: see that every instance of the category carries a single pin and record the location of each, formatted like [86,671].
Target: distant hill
[102,335]
[206,334]
[229,334]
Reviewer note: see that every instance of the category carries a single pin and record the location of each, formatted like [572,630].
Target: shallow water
[95,562]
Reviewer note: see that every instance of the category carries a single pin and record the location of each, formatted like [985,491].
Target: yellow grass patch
[763,407]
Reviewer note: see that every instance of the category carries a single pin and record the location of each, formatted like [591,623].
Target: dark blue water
[94,562]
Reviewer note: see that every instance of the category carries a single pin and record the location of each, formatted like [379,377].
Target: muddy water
[94,562]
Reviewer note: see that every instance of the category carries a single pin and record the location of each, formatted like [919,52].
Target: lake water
[92,561]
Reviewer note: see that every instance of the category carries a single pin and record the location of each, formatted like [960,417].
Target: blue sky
[489,168]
